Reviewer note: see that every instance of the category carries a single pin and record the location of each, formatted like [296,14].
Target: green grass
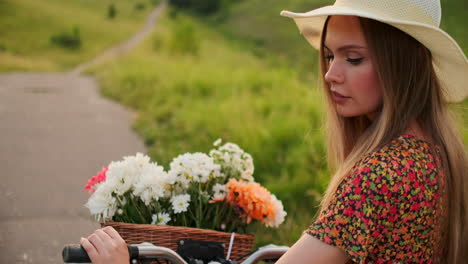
[260,28]
[27,25]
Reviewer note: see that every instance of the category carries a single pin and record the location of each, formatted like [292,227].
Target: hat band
[420,11]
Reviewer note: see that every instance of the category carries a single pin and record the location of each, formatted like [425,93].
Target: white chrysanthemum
[160,219]
[152,183]
[219,191]
[197,167]
[139,160]
[231,147]
[124,174]
[180,203]
[234,161]
[101,203]
[279,216]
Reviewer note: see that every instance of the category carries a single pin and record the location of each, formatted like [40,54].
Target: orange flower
[254,199]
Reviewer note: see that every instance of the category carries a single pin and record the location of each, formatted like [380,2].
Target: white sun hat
[418,18]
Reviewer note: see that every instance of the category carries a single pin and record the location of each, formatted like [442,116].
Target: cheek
[366,88]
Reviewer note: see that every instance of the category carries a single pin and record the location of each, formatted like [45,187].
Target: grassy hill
[258,25]
[26,27]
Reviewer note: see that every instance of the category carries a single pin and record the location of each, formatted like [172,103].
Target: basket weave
[167,236]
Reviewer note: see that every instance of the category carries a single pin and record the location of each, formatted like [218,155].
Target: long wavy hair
[411,91]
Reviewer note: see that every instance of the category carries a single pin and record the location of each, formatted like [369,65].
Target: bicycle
[146,253]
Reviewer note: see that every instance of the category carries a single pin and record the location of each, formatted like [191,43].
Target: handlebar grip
[77,254]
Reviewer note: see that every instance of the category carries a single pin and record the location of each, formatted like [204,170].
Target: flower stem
[199,207]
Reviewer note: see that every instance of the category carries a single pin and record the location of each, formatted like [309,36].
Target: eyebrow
[346,47]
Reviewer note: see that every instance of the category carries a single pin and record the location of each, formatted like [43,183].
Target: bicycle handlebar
[76,254]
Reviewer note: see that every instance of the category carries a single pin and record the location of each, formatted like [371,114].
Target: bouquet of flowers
[212,191]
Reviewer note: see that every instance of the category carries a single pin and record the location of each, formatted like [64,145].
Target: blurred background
[230,69]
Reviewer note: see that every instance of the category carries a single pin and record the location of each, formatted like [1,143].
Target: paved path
[56,132]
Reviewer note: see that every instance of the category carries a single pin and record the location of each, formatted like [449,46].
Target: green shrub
[155,2]
[69,40]
[158,42]
[202,7]
[206,7]
[173,12]
[111,11]
[184,40]
[139,6]
[181,3]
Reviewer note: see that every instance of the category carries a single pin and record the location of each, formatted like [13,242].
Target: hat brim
[450,63]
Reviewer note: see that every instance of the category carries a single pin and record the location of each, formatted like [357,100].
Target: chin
[347,112]
[343,113]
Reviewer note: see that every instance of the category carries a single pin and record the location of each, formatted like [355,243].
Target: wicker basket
[167,236]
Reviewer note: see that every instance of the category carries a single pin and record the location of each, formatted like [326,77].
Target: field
[27,26]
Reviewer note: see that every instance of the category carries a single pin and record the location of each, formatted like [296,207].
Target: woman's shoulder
[402,164]
[389,202]
[403,152]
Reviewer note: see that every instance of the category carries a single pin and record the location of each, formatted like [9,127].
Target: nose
[334,73]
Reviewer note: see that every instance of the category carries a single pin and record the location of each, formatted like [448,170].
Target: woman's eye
[354,61]
[329,57]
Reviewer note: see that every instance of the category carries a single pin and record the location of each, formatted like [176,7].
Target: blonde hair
[405,71]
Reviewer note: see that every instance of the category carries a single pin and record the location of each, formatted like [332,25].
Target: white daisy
[196,167]
[180,203]
[160,219]
[234,161]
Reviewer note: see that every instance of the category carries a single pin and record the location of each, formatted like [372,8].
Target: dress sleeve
[353,219]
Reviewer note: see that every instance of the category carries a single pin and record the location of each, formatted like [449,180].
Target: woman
[399,191]
[401,168]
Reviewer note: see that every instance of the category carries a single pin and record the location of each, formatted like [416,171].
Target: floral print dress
[388,209]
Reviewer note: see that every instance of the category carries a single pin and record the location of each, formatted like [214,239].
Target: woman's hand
[105,245]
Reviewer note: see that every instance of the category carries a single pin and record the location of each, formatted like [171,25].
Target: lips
[339,95]
[339,98]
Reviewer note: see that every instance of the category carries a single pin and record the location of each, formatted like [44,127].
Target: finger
[107,241]
[97,242]
[103,235]
[113,233]
[110,245]
[90,249]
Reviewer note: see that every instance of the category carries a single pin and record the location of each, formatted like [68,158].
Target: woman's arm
[309,249]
